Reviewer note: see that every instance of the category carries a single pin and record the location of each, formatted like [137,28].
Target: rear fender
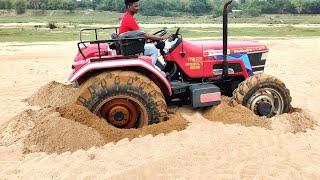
[133,64]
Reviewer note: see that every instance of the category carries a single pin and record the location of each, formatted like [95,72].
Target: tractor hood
[213,48]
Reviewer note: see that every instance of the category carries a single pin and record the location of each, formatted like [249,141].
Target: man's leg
[151,50]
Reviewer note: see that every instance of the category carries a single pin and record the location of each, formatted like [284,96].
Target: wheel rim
[266,102]
[122,112]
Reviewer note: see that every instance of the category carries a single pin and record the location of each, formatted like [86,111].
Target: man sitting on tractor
[128,23]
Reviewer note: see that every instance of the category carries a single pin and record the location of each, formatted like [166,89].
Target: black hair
[128,2]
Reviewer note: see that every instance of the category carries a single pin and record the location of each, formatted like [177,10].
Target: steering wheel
[162,32]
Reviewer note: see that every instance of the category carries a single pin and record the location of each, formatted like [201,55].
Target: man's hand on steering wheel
[165,37]
[158,36]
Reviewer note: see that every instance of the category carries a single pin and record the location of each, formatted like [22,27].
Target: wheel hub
[264,108]
[119,116]
[266,102]
[121,113]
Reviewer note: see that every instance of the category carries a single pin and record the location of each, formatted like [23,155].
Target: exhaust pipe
[225,39]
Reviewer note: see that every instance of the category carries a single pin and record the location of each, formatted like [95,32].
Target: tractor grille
[257,61]
[235,66]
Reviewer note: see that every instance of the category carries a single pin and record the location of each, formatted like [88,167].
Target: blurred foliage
[20,6]
[172,7]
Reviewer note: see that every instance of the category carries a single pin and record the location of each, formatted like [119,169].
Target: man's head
[132,6]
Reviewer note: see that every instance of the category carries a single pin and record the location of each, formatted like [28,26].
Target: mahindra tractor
[121,85]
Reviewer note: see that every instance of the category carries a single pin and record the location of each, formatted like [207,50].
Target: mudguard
[141,62]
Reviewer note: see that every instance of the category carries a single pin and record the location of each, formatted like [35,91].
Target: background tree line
[171,7]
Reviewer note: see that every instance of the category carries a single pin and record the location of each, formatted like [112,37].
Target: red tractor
[118,83]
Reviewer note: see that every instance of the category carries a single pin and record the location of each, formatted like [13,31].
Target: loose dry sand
[53,94]
[223,142]
[294,122]
[235,115]
[70,127]
[74,128]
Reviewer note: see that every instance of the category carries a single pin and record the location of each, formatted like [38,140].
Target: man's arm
[155,37]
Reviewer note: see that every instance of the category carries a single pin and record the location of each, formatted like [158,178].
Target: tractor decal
[194,63]
[213,52]
[249,49]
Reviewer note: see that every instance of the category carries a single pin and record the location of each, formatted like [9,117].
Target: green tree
[111,5]
[311,7]
[95,3]
[184,5]
[298,4]
[253,11]
[20,6]
[254,7]
[84,4]
[217,8]
[199,7]
[9,4]
[54,4]
[68,5]
[38,4]
[2,5]
[154,8]
[6,4]
[289,7]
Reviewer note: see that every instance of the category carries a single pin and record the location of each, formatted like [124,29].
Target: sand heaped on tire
[53,133]
[61,126]
[109,133]
[297,121]
[235,115]
[73,127]
[53,94]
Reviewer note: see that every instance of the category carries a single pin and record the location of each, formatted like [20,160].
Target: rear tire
[125,99]
[263,94]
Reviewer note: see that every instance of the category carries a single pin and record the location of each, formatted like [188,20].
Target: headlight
[264,56]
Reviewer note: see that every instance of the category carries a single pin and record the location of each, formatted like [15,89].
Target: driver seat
[129,43]
[134,46]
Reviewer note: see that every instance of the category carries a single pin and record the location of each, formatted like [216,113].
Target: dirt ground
[210,144]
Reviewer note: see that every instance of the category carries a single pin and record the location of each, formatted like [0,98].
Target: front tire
[265,95]
[125,99]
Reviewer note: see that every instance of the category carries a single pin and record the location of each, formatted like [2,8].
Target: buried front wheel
[263,94]
[125,99]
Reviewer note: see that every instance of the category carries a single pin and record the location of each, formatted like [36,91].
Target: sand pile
[53,94]
[109,133]
[75,127]
[72,127]
[61,126]
[18,128]
[297,121]
[235,115]
[53,133]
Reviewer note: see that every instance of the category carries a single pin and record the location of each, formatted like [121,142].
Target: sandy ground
[205,149]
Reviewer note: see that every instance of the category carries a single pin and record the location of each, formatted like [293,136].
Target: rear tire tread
[131,83]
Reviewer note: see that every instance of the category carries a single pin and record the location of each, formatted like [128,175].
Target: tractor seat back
[130,43]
